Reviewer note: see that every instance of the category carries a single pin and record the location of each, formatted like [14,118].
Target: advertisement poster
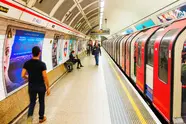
[65,50]
[79,46]
[129,31]
[71,45]
[60,49]
[54,51]
[145,24]
[18,50]
[178,13]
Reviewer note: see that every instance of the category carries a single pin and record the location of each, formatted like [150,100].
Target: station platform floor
[95,95]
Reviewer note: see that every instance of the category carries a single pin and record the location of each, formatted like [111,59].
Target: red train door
[118,50]
[128,53]
[140,68]
[124,52]
[115,48]
[163,71]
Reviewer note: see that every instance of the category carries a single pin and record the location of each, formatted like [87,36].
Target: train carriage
[157,54]
[140,68]
[118,49]
[133,55]
[128,53]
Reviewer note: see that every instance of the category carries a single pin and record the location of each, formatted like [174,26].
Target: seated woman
[74,60]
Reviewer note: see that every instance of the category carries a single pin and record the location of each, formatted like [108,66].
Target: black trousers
[33,91]
[78,62]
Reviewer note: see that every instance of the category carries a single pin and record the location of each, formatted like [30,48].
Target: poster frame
[3,73]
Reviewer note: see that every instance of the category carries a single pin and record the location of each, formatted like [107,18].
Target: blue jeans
[97,59]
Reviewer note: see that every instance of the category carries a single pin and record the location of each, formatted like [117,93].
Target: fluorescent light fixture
[102,3]
[101,9]
[100,22]
[100,27]
[101,14]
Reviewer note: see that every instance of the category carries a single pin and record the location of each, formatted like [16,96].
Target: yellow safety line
[141,118]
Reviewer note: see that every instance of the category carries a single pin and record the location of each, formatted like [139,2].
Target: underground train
[152,58]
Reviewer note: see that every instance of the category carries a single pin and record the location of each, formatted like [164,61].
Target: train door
[127,56]
[128,53]
[150,64]
[110,46]
[121,49]
[118,49]
[114,47]
[141,58]
[133,56]
[123,52]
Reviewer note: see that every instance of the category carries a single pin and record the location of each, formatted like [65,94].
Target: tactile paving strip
[121,110]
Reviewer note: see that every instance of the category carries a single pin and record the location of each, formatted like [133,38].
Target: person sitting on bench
[74,60]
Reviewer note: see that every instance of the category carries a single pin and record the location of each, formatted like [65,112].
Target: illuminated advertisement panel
[145,24]
[55,51]
[177,13]
[18,50]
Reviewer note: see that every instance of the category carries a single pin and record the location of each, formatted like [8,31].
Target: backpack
[93,51]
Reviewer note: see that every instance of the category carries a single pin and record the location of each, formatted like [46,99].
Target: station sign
[100,32]
[9,11]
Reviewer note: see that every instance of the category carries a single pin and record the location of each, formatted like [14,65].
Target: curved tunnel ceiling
[83,15]
[75,13]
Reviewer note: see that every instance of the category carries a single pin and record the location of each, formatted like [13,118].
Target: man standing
[38,83]
[96,51]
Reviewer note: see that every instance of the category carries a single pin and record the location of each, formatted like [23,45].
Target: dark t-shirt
[35,69]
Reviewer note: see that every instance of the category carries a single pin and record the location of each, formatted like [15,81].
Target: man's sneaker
[78,67]
[42,120]
[81,66]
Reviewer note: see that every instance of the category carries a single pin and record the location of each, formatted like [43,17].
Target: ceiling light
[100,22]
[102,3]
[100,27]
[102,9]
[101,14]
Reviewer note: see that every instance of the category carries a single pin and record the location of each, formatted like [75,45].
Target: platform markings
[136,109]
[141,99]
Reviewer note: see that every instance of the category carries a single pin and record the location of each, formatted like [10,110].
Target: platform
[95,95]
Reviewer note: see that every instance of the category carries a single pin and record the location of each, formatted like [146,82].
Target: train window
[128,49]
[163,55]
[150,48]
[139,52]
[139,42]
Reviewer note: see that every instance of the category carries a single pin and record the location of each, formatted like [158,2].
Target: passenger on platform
[74,60]
[96,51]
[38,83]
